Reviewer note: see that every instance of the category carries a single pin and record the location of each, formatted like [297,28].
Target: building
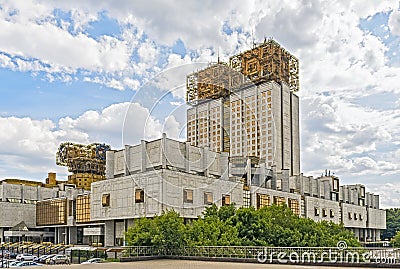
[242,148]
[18,199]
[248,108]
[164,174]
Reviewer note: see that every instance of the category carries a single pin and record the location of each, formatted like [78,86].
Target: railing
[312,255]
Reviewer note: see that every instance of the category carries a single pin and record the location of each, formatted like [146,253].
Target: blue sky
[114,71]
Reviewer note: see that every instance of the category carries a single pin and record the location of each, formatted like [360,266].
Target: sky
[114,72]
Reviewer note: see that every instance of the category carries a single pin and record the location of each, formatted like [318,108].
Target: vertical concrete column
[274,179]
[206,161]
[248,171]
[109,233]
[73,235]
[144,155]
[285,180]
[127,159]
[110,162]
[187,153]
[163,151]
[22,192]
[378,235]
[1,235]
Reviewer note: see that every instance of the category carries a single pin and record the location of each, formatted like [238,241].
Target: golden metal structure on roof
[83,158]
[265,62]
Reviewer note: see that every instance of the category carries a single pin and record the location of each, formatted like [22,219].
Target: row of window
[187,197]
[317,212]
[355,216]
[264,200]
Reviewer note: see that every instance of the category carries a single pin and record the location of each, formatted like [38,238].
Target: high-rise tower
[248,107]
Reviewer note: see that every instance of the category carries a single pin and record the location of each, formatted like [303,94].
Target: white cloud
[389,194]
[347,139]
[29,146]
[337,58]
[394,23]
[55,46]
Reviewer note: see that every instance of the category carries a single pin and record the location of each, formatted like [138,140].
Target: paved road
[182,264]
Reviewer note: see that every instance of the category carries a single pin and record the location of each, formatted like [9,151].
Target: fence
[315,255]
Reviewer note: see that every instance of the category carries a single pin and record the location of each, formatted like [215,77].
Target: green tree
[396,240]
[167,229]
[226,226]
[392,223]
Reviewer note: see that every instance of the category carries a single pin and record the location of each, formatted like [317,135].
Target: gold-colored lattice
[83,158]
[265,62]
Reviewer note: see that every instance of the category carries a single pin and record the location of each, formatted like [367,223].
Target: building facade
[164,174]
[248,107]
[18,199]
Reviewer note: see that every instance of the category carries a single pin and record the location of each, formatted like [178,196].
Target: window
[51,212]
[324,212]
[294,206]
[335,183]
[316,211]
[82,213]
[208,198]
[350,215]
[105,199]
[246,198]
[332,213]
[362,190]
[278,200]
[355,216]
[262,200]
[361,217]
[139,196]
[187,196]
[226,200]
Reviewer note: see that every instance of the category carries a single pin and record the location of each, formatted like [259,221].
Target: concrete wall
[163,190]
[354,216]
[13,213]
[376,218]
[23,192]
[312,204]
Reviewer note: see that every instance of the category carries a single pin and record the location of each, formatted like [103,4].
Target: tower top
[265,62]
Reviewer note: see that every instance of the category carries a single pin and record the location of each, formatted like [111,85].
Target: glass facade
[294,205]
[262,200]
[51,212]
[278,200]
[82,208]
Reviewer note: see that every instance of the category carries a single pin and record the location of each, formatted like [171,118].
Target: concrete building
[259,121]
[242,147]
[18,199]
[248,107]
[145,179]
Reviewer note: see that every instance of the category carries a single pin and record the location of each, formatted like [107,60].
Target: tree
[226,226]
[392,223]
[167,229]
[396,240]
